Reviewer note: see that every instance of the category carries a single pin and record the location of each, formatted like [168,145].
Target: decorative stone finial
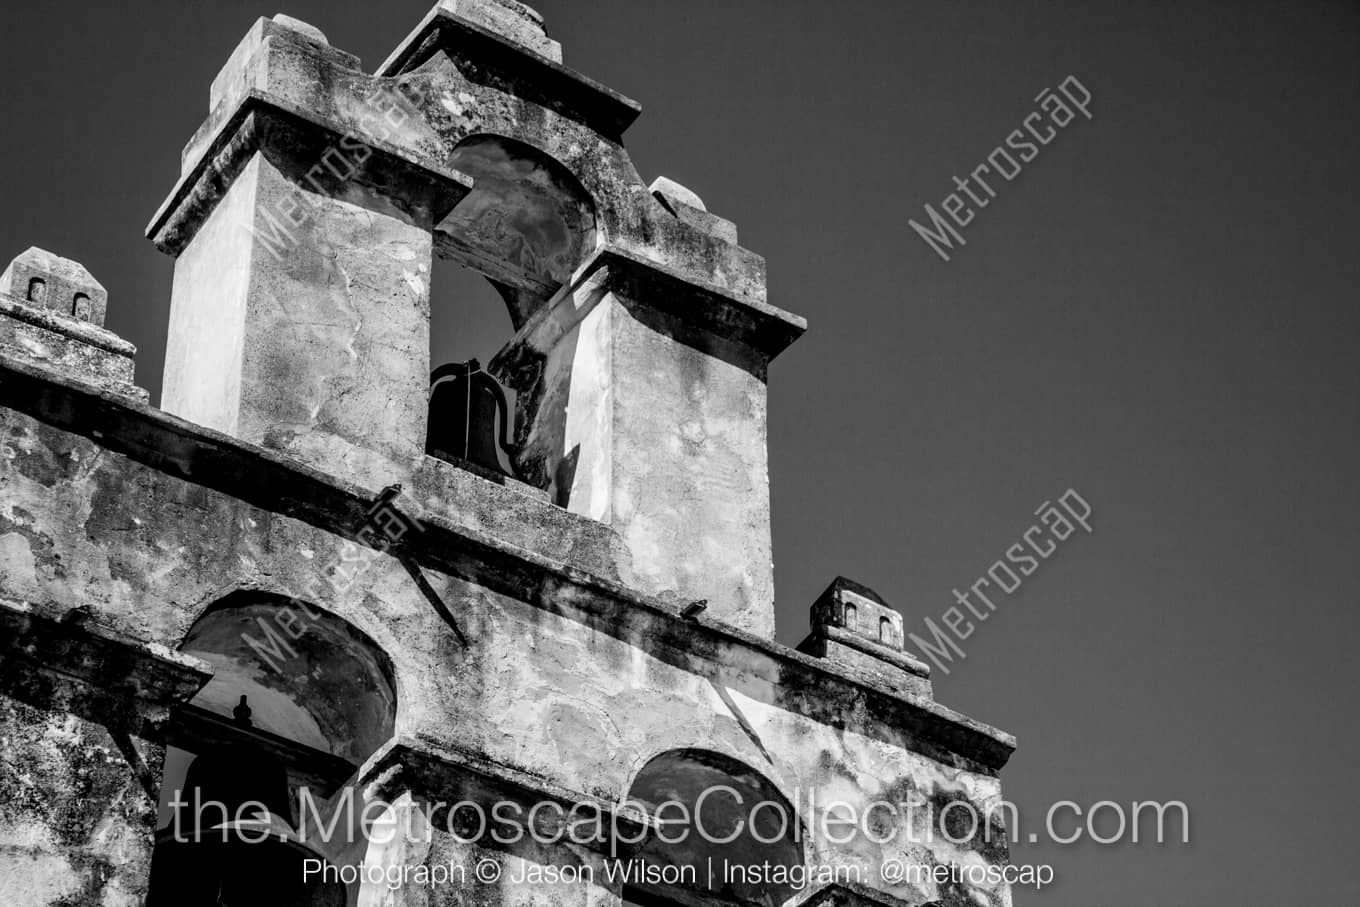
[42,280]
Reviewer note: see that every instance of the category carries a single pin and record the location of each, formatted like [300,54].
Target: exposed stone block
[78,823]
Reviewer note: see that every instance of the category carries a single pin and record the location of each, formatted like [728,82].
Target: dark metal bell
[469,417]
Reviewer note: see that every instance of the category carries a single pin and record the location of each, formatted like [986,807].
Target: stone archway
[736,816]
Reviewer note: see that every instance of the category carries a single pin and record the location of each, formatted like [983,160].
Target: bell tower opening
[470,413]
[501,254]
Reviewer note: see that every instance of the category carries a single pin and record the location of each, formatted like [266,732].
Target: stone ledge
[762,326]
[436,772]
[901,660]
[272,482]
[76,666]
[895,670]
[261,124]
[51,320]
[77,348]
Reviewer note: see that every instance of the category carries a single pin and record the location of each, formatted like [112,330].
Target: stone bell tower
[303,225]
[303,589]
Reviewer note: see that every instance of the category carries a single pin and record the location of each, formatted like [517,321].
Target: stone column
[80,758]
[646,409]
[300,310]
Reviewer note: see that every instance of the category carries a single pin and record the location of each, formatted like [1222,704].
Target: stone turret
[854,627]
[47,281]
[52,313]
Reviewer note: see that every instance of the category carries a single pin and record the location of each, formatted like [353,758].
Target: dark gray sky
[1160,312]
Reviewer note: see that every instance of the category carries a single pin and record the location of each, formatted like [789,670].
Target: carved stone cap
[43,280]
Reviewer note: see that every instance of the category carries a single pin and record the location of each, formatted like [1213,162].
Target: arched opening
[527,223]
[502,252]
[37,290]
[258,763]
[469,421]
[709,807]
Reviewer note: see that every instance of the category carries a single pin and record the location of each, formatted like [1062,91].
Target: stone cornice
[76,665]
[297,141]
[703,308]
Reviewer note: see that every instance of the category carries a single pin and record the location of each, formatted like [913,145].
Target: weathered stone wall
[640,420]
[318,345]
[546,684]
[75,820]
[542,641]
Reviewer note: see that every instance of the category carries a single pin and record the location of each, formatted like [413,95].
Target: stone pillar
[80,758]
[77,824]
[646,409]
[300,309]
